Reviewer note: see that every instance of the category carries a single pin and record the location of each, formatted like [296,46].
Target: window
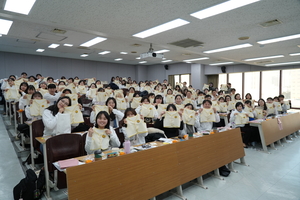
[222,79]
[185,78]
[291,85]
[176,79]
[251,84]
[236,80]
[270,84]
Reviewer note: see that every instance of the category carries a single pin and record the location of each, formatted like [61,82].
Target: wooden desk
[146,174]
[269,130]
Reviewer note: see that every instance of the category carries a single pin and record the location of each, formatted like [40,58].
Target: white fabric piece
[171,119]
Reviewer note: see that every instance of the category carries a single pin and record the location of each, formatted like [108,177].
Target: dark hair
[168,90]
[30,87]
[50,78]
[43,82]
[12,76]
[232,89]
[247,95]
[10,79]
[236,95]
[36,94]
[112,115]
[61,82]
[177,86]
[221,98]
[171,106]
[151,94]
[248,102]
[226,97]
[38,75]
[158,97]
[63,77]
[72,79]
[101,89]
[179,96]
[145,98]
[239,104]
[67,90]
[209,101]
[189,104]
[265,106]
[24,73]
[276,98]
[26,84]
[76,77]
[269,98]
[51,86]
[32,77]
[112,79]
[129,110]
[207,96]
[105,115]
[221,91]
[81,82]
[93,84]
[54,109]
[281,96]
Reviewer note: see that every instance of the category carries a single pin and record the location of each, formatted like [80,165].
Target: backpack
[31,187]
[113,86]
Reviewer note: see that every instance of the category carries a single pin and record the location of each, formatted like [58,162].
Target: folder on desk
[68,163]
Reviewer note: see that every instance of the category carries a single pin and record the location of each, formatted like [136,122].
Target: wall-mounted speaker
[223,68]
[166,67]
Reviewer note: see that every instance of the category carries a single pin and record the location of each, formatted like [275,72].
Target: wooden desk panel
[140,175]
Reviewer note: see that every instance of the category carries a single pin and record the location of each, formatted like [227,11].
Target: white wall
[13,63]
[242,68]
[198,78]
[156,72]
[141,73]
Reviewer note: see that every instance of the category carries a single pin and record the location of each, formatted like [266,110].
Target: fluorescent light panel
[161,28]
[84,55]
[280,39]
[40,50]
[221,8]
[295,54]
[240,46]
[68,45]
[162,51]
[5,26]
[263,58]
[53,46]
[93,41]
[104,52]
[194,59]
[19,6]
[287,63]
[0,35]
[118,59]
[224,63]
[123,53]
[143,62]
[167,61]
[138,58]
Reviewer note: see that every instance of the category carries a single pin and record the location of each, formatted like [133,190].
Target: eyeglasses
[65,102]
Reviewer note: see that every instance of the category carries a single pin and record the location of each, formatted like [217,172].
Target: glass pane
[176,79]
[185,78]
[291,85]
[251,84]
[222,79]
[270,84]
[236,82]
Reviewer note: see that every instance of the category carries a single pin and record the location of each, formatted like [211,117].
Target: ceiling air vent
[51,37]
[24,41]
[270,23]
[264,62]
[56,30]
[187,43]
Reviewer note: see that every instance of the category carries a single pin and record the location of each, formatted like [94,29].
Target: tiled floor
[274,176]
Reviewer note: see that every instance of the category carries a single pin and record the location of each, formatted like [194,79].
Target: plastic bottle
[127,147]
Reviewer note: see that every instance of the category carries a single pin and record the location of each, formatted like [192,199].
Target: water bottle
[127,147]
[98,155]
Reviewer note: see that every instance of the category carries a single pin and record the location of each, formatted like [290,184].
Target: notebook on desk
[68,163]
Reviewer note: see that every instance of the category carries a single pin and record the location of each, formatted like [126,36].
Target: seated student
[232,93]
[50,80]
[284,106]
[32,81]
[169,97]
[221,93]
[9,84]
[178,100]
[248,107]
[159,123]
[115,115]
[138,138]
[272,109]
[260,111]
[99,84]
[24,99]
[109,138]
[187,128]
[97,101]
[245,128]
[237,96]
[151,97]
[81,87]
[214,96]
[204,126]
[52,97]
[140,109]
[42,88]
[189,99]
[23,88]
[91,91]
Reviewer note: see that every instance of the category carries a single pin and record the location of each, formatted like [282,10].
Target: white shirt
[52,98]
[119,116]
[232,117]
[208,125]
[197,125]
[136,139]
[28,115]
[113,141]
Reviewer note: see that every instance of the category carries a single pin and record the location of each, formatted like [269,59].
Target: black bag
[144,93]
[30,187]
[113,86]
[224,171]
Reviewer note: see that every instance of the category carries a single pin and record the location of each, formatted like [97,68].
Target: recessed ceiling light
[188,62]
[40,50]
[280,39]
[162,51]
[161,28]
[224,63]
[84,55]
[118,59]
[123,52]
[138,58]
[221,8]
[19,6]
[5,26]
[104,52]
[194,59]
[164,58]
[143,62]
[263,58]
[240,46]
[295,54]
[93,41]
[53,46]
[287,63]
[68,45]
[167,61]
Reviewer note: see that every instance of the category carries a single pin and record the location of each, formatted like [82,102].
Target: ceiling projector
[151,54]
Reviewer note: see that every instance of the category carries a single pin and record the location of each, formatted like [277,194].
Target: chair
[37,131]
[88,122]
[120,136]
[83,139]
[87,111]
[85,101]
[61,147]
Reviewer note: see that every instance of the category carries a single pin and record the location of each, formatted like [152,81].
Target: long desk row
[148,173]
[272,131]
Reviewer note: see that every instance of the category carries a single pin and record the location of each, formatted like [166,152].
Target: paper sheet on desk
[57,165]
[139,148]
[166,140]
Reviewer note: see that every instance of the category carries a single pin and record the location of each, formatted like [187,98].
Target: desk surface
[43,139]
